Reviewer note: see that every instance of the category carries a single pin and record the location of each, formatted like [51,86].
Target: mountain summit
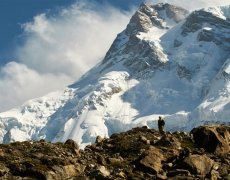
[166,62]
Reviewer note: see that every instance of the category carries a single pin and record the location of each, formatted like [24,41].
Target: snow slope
[166,62]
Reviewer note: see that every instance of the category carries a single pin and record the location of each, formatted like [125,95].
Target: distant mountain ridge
[166,62]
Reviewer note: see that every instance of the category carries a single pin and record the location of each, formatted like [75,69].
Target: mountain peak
[211,24]
[142,36]
[160,15]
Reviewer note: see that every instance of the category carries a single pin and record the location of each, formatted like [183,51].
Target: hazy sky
[47,44]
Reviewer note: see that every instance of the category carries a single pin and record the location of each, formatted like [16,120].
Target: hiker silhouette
[161,124]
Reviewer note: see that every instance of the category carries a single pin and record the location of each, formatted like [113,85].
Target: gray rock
[139,55]
[195,22]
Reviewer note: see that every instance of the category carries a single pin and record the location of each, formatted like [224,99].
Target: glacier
[167,62]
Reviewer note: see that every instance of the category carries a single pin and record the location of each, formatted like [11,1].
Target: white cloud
[196,4]
[71,42]
[18,83]
[57,50]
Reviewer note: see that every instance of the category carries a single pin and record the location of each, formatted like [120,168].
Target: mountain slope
[166,62]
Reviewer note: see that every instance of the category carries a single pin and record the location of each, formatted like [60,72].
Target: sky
[45,45]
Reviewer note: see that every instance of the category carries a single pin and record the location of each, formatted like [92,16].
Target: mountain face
[166,62]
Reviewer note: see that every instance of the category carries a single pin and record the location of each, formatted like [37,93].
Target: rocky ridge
[140,153]
[135,53]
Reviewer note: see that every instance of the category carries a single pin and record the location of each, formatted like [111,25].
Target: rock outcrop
[214,139]
[141,55]
[140,153]
[199,164]
[198,20]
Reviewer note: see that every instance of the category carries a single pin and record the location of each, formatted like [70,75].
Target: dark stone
[214,139]
[71,144]
[101,160]
[163,142]
[176,172]
[177,43]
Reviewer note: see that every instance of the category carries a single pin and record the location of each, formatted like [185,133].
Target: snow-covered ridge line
[222,12]
[25,122]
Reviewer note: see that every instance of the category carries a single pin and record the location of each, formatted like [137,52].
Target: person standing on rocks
[161,124]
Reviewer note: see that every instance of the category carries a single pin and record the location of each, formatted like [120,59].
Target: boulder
[144,140]
[100,173]
[72,170]
[71,144]
[62,172]
[223,170]
[214,175]
[167,141]
[99,139]
[101,160]
[152,160]
[3,170]
[214,139]
[115,161]
[198,164]
[1,153]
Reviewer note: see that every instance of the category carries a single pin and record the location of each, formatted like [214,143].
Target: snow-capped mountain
[167,62]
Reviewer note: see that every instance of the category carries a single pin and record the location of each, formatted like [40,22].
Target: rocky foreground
[140,153]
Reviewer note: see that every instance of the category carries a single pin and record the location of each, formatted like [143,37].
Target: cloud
[193,5]
[58,49]
[19,83]
[73,41]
